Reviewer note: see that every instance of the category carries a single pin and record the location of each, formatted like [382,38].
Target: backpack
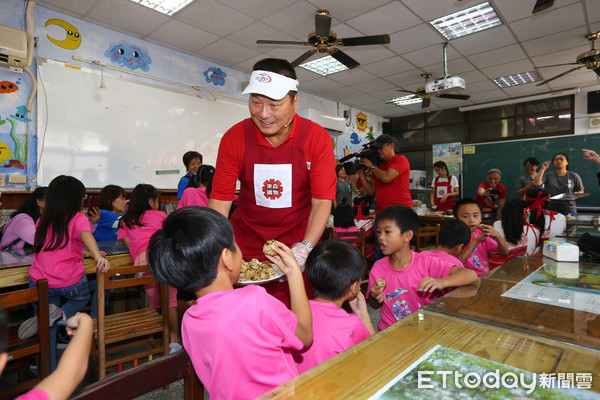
[589,244]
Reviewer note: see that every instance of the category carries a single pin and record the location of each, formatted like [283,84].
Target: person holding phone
[491,194]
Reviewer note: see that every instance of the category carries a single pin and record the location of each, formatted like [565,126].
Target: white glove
[301,252]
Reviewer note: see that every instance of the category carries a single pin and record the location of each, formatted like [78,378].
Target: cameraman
[390,178]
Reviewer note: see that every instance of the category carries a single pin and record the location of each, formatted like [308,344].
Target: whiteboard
[125,133]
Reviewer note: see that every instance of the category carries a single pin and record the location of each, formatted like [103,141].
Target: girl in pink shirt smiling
[239,340]
[61,233]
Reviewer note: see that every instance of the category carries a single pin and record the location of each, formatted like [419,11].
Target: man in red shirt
[285,165]
[391,178]
[491,192]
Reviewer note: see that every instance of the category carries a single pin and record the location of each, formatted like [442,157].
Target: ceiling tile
[228,52]
[389,66]
[257,8]
[404,41]
[248,35]
[511,68]
[559,41]
[482,86]
[297,20]
[409,80]
[352,76]
[503,54]
[546,23]
[182,36]
[343,92]
[70,7]
[514,10]
[361,99]
[131,16]
[390,18]
[373,85]
[213,17]
[344,10]
[368,54]
[320,84]
[487,40]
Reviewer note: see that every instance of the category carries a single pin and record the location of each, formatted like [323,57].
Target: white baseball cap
[270,84]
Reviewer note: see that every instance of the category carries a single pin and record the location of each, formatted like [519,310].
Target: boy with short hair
[405,280]
[72,366]
[335,269]
[485,240]
[453,237]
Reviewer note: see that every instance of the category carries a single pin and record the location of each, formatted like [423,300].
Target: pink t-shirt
[478,261]
[62,267]
[239,342]
[400,296]
[334,330]
[139,236]
[22,227]
[442,255]
[34,394]
[193,197]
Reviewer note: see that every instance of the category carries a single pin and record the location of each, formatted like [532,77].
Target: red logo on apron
[272,189]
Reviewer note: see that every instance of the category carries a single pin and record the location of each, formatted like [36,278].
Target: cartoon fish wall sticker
[72,39]
[129,55]
[8,87]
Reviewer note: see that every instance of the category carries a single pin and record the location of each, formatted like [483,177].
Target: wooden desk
[20,275]
[487,305]
[363,369]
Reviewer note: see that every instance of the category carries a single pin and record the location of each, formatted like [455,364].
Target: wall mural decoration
[215,76]
[17,157]
[72,39]
[361,121]
[129,55]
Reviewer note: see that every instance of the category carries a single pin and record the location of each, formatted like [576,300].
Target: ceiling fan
[589,59]
[426,96]
[323,38]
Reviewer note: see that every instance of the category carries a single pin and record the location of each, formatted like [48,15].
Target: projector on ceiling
[441,84]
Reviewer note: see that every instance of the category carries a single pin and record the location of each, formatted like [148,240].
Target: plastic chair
[19,351]
[427,231]
[134,330]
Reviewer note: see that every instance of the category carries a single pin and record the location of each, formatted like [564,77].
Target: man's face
[386,151]
[493,179]
[530,168]
[272,116]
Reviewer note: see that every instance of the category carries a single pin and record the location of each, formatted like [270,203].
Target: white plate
[278,274]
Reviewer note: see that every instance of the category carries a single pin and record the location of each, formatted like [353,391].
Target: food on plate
[380,283]
[255,270]
[267,247]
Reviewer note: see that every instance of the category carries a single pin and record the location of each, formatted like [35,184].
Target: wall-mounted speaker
[594,122]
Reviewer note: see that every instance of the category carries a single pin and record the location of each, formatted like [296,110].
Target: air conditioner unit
[594,122]
[13,47]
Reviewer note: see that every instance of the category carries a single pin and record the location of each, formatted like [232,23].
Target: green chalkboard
[509,158]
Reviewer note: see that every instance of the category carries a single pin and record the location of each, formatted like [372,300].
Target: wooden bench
[146,378]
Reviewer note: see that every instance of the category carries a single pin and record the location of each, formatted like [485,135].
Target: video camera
[369,151]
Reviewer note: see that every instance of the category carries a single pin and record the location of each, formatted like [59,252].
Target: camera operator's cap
[270,84]
[383,140]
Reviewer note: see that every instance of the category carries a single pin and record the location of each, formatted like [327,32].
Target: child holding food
[239,340]
[335,269]
[485,239]
[405,280]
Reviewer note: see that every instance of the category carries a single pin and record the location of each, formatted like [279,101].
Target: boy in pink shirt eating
[240,340]
[335,269]
[453,237]
[405,280]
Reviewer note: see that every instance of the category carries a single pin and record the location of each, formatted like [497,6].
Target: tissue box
[561,251]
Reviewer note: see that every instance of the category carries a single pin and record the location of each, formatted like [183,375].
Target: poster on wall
[451,154]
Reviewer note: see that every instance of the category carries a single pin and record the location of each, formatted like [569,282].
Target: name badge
[273,185]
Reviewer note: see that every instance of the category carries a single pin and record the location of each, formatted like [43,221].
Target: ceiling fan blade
[557,65]
[279,42]
[597,71]
[541,5]
[343,58]
[453,96]
[303,57]
[322,25]
[426,102]
[364,40]
[559,75]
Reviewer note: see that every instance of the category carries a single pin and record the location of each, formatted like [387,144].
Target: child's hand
[358,305]
[480,238]
[284,259]
[74,321]
[430,285]
[377,293]
[102,264]
[489,230]
[94,215]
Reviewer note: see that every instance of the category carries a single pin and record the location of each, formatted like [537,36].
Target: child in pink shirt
[141,220]
[453,237]
[239,340]
[343,218]
[198,192]
[61,233]
[335,269]
[410,280]
[20,230]
[484,238]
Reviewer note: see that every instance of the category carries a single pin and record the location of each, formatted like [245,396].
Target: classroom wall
[582,118]
[162,62]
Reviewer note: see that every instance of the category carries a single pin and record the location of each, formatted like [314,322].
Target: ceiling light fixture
[168,7]
[324,66]
[405,100]
[465,22]
[518,79]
